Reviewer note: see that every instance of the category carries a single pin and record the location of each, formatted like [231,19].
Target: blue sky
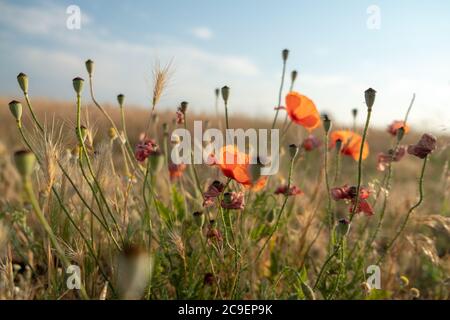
[238,43]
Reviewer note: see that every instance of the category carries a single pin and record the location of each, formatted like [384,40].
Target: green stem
[280,92]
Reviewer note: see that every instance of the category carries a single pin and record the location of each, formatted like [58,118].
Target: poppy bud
[227,198]
[293,75]
[342,228]
[156,161]
[217,92]
[293,150]
[25,161]
[89,66]
[285,54]
[120,99]
[404,281]
[78,84]
[16,109]
[338,145]
[354,112]
[22,79]
[225,93]
[112,133]
[326,123]
[183,106]
[415,293]
[199,218]
[369,95]
[400,133]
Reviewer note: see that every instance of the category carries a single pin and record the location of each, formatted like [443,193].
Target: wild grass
[140,230]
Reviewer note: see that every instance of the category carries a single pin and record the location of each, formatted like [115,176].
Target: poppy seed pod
[293,150]
[22,79]
[326,123]
[217,92]
[338,145]
[25,161]
[369,95]
[156,161]
[120,99]
[89,66]
[199,218]
[342,228]
[293,75]
[400,133]
[354,112]
[225,93]
[285,54]
[16,109]
[78,84]
[184,106]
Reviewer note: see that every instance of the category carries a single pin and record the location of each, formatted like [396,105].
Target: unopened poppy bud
[293,75]
[415,293]
[354,112]
[404,281]
[338,145]
[78,84]
[156,161]
[369,95]
[25,161]
[326,123]
[217,92]
[400,133]
[120,99]
[22,79]
[16,109]
[184,106]
[227,198]
[112,133]
[89,66]
[308,291]
[225,93]
[285,54]
[293,150]
[199,218]
[342,228]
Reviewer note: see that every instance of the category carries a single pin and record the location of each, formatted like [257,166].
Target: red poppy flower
[310,143]
[424,147]
[176,170]
[394,126]
[293,191]
[302,110]
[351,143]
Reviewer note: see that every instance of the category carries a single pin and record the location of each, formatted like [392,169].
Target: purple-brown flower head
[384,159]
[144,149]
[214,190]
[425,146]
[233,200]
[293,190]
[310,143]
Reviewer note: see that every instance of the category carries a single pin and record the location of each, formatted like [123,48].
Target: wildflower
[214,190]
[16,109]
[302,110]
[213,234]
[349,193]
[310,143]
[384,159]
[233,200]
[112,133]
[394,126]
[293,190]
[176,170]
[144,149]
[424,147]
[235,165]
[351,143]
[25,161]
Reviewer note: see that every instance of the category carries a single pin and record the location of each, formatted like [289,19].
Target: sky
[339,48]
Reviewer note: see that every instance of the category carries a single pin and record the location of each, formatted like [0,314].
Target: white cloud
[203,33]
